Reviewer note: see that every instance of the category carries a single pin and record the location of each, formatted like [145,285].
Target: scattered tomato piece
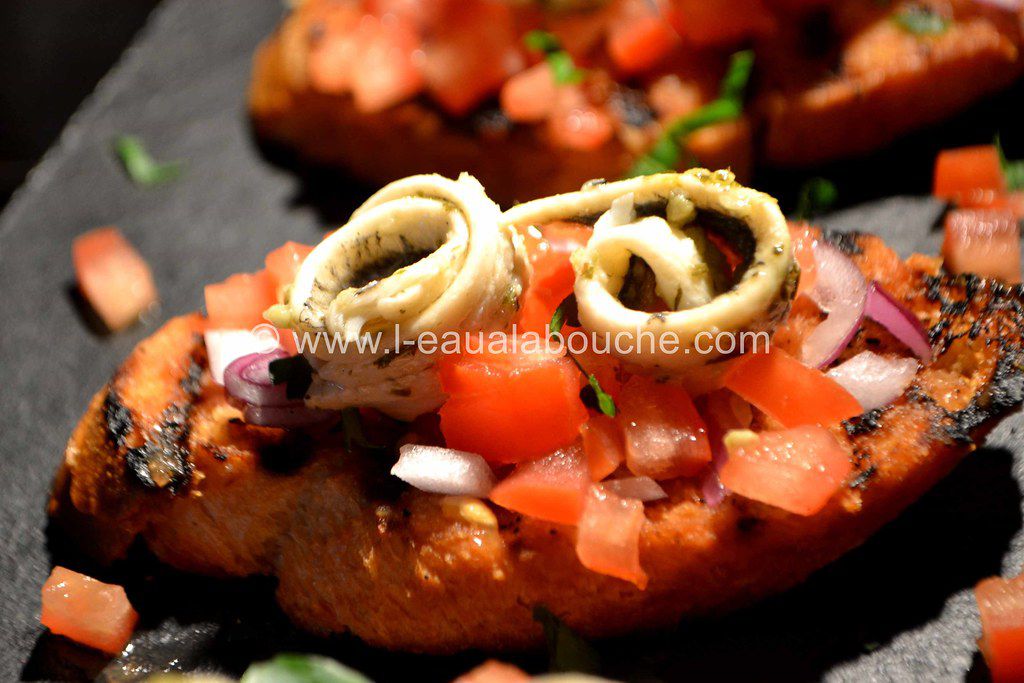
[603,446]
[87,611]
[239,301]
[112,277]
[1009,201]
[529,96]
[983,242]
[608,538]
[665,437]
[967,173]
[332,56]
[386,70]
[803,252]
[510,407]
[705,23]
[551,489]
[797,470]
[553,276]
[789,391]
[493,671]
[283,263]
[577,124]
[1001,605]
[639,37]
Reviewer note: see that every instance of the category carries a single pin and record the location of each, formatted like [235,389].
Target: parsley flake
[817,195]
[921,21]
[563,69]
[140,166]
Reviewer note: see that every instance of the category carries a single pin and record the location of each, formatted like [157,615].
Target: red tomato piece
[387,69]
[510,407]
[283,263]
[608,538]
[493,671]
[983,242]
[529,96]
[803,252]
[1009,201]
[967,173]
[789,391]
[239,301]
[665,437]
[553,277]
[603,446]
[87,611]
[797,470]
[577,124]
[551,489]
[112,277]
[1001,606]
[332,56]
[639,37]
[471,52]
[707,23]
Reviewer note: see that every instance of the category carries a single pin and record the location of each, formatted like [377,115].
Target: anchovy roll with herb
[675,260]
[425,254]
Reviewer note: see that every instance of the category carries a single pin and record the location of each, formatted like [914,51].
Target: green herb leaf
[921,21]
[542,41]
[295,371]
[1013,171]
[563,69]
[140,166]
[737,76]
[817,196]
[293,668]
[604,401]
[567,651]
[557,320]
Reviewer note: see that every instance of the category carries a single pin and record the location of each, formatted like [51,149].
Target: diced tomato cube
[510,407]
[603,445]
[608,537]
[967,173]
[239,301]
[87,611]
[283,263]
[551,488]
[797,470]
[639,37]
[983,242]
[789,391]
[333,53]
[803,251]
[493,671]
[1001,606]
[708,23]
[387,69]
[529,96]
[553,277]
[1007,201]
[112,277]
[577,124]
[665,437]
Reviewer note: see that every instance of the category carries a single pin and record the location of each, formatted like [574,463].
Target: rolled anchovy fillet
[651,251]
[424,255]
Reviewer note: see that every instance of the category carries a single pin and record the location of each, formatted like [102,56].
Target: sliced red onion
[900,322]
[643,489]
[444,470]
[225,346]
[874,380]
[841,292]
[290,416]
[248,379]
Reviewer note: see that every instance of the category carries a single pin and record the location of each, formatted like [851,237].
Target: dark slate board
[899,608]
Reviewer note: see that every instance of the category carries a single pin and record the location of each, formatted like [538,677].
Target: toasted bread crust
[354,550]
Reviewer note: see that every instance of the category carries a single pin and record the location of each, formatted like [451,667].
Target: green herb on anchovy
[817,195]
[292,668]
[921,21]
[557,320]
[567,650]
[140,166]
[1013,171]
[563,69]
[667,150]
[295,372]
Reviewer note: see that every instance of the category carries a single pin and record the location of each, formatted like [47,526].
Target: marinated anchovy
[425,254]
[651,284]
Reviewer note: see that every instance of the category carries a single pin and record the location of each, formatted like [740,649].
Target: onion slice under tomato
[901,323]
[444,470]
[874,380]
[248,379]
[643,489]
[841,291]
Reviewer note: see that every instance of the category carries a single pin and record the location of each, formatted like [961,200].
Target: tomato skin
[803,251]
[603,445]
[665,437]
[789,391]
[112,277]
[968,172]
[551,488]
[1001,606]
[797,470]
[553,276]
[87,611]
[510,408]
[284,262]
[529,96]
[239,301]
[984,242]
[608,537]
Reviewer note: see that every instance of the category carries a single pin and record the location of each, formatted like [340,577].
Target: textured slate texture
[898,609]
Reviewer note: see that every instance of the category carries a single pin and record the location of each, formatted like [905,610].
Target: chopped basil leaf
[567,651]
[557,320]
[921,21]
[563,69]
[604,401]
[667,150]
[817,196]
[295,371]
[140,166]
[1013,171]
[292,668]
